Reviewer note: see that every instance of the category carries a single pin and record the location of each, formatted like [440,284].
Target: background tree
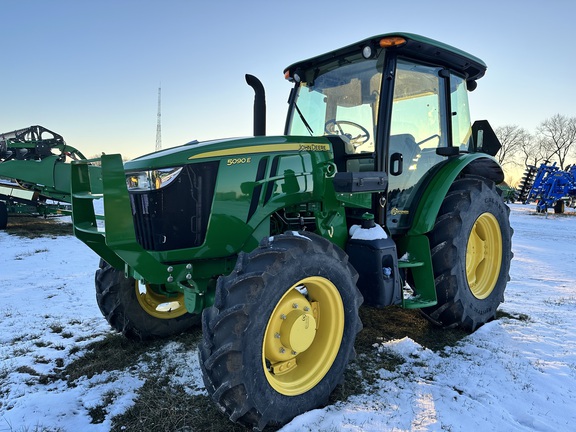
[513,139]
[534,152]
[558,136]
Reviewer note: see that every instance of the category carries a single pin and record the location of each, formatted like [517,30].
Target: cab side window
[461,129]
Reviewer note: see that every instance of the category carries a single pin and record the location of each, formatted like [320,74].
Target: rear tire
[136,315]
[3,215]
[281,331]
[471,253]
[559,207]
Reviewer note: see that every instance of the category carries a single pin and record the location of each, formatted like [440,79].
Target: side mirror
[485,139]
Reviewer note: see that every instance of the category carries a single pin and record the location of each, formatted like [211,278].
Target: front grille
[176,216]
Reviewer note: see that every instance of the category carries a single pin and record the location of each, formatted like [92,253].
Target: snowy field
[517,373]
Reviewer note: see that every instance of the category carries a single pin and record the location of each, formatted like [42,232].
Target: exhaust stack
[259,105]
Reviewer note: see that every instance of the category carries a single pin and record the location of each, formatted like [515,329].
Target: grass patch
[56,328]
[114,352]
[27,370]
[363,372]
[75,349]
[36,428]
[21,338]
[383,325]
[34,227]
[519,317]
[99,412]
[161,406]
[561,301]
[41,344]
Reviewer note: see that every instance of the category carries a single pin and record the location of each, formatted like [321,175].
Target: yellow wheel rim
[158,305]
[303,336]
[484,255]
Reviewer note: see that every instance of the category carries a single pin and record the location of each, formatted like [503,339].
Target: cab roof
[414,46]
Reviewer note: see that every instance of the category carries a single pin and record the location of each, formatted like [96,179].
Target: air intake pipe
[259,105]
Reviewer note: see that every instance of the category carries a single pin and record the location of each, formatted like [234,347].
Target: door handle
[396,164]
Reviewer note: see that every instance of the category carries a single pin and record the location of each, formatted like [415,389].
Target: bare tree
[534,152]
[558,135]
[513,139]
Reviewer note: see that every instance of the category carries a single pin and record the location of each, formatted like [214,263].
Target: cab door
[417,129]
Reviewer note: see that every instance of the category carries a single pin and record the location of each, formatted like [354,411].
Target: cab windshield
[339,98]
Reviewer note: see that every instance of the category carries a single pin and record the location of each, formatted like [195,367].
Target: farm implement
[549,187]
[35,174]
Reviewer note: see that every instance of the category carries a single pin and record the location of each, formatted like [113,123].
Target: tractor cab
[394,104]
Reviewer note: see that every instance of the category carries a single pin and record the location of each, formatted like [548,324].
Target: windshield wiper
[292,100]
[310,131]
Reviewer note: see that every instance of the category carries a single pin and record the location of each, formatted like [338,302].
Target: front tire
[471,253]
[139,313]
[281,331]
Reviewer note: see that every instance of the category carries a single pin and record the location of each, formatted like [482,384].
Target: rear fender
[415,244]
[429,205]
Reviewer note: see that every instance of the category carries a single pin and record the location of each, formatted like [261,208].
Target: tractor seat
[345,158]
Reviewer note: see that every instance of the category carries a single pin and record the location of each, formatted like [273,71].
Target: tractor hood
[232,148]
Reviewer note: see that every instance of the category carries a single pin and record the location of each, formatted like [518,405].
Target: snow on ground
[517,373]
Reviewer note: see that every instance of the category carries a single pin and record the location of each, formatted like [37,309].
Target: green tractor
[380,192]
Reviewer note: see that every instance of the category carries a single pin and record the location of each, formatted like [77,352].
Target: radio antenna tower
[158,125]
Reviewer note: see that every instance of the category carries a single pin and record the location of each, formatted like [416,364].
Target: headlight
[153,179]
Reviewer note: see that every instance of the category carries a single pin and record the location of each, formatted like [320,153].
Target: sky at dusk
[90,70]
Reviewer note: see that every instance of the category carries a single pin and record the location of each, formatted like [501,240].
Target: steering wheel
[335,126]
